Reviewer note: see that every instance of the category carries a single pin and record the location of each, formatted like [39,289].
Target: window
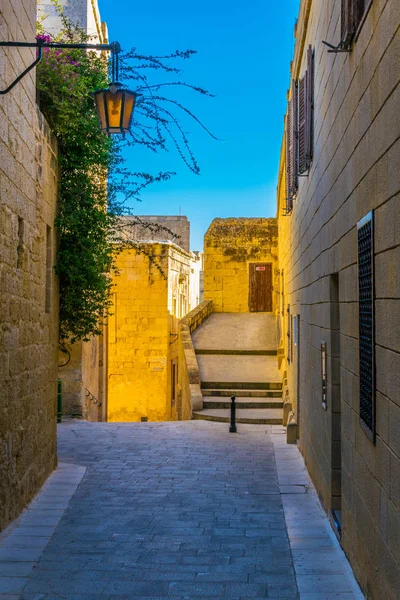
[353,12]
[365,229]
[324,378]
[299,131]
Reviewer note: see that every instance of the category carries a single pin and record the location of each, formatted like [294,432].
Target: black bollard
[232,428]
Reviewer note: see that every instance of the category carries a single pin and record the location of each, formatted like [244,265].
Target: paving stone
[173,511]
[321,583]
[11,585]
[16,569]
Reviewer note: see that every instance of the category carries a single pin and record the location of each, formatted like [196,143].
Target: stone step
[242,403]
[261,416]
[242,393]
[237,368]
[240,385]
[237,352]
[237,331]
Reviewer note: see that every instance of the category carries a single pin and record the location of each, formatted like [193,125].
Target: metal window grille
[365,229]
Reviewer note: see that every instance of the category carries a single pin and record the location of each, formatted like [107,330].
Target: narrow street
[174,510]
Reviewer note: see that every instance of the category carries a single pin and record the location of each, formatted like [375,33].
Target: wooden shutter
[289,153]
[291,149]
[310,107]
[295,136]
[360,6]
[348,22]
[352,14]
[302,135]
[306,115]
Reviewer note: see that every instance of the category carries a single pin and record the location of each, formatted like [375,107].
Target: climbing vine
[96,184]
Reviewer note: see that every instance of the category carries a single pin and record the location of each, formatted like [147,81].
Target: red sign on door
[260,268]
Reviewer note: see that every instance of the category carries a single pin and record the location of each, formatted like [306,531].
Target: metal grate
[366,322]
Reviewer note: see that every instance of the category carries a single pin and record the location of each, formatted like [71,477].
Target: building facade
[339,239]
[241,265]
[153,228]
[151,294]
[83,13]
[28,289]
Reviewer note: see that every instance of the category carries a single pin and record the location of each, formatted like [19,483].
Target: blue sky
[244,50]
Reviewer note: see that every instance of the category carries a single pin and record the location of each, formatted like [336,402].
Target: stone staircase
[237,356]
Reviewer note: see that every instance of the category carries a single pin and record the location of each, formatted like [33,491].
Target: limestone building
[339,239]
[151,294]
[156,227]
[83,13]
[240,265]
[28,287]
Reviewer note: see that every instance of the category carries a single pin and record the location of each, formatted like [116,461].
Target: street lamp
[114,105]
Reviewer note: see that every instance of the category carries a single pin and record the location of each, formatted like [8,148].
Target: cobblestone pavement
[164,511]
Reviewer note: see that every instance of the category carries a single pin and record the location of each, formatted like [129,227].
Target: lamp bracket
[114,48]
[336,49]
[175,336]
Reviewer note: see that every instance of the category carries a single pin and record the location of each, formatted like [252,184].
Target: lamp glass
[115,109]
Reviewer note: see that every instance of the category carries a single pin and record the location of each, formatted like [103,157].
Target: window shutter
[295,136]
[303,126]
[359,11]
[289,158]
[310,107]
[291,149]
[348,21]
[306,115]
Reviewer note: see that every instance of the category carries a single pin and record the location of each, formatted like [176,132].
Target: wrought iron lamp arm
[114,48]
[336,49]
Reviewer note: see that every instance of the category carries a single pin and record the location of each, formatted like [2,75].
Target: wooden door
[260,287]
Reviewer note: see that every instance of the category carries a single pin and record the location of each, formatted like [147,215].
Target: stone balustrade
[190,397]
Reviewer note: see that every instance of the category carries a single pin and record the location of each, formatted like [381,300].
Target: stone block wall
[28,287]
[178,225]
[143,332]
[94,377]
[138,338]
[355,170]
[230,246]
[84,379]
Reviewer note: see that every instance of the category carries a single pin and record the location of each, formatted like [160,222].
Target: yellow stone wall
[230,245]
[142,332]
